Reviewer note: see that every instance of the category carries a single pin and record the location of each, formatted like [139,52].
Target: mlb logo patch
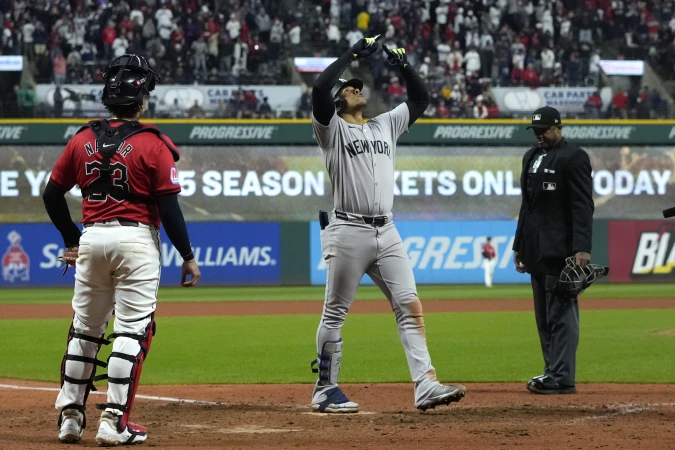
[174,175]
[536,117]
[549,186]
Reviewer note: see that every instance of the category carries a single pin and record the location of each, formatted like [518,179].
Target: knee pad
[144,341]
[82,347]
[329,362]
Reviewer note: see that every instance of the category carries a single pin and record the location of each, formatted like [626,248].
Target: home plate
[256,429]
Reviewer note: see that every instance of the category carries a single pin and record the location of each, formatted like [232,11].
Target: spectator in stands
[573,71]
[363,21]
[305,106]
[472,60]
[455,59]
[395,91]
[264,24]
[233,27]
[293,37]
[199,49]
[108,36]
[620,105]
[196,111]
[424,68]
[59,63]
[333,35]
[442,110]
[547,62]
[276,38]
[593,106]
[480,111]
[26,100]
[530,77]
[58,102]
[642,109]
[265,110]
[120,45]
[656,104]
[27,32]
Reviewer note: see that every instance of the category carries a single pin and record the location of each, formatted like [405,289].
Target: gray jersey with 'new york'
[360,160]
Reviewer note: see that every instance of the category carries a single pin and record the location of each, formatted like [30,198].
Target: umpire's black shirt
[556,214]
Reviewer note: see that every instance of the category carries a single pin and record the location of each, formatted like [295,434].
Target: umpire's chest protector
[547,221]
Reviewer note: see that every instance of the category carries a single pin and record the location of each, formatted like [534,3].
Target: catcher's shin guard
[132,348]
[329,363]
[81,350]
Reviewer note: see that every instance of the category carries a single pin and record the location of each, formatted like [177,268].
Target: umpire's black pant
[558,326]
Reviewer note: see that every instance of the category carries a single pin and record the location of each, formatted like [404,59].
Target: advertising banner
[569,100]
[442,252]
[437,132]
[227,254]
[642,251]
[84,100]
[291,183]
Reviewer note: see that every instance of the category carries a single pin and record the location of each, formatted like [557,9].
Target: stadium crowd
[461,47]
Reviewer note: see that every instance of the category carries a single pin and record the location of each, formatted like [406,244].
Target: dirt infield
[51,311]
[492,416]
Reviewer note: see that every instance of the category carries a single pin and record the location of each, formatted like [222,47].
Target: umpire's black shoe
[546,385]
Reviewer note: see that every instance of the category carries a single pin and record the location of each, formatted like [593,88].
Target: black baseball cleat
[546,385]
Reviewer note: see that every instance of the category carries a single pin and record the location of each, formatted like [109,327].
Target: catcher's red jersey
[143,165]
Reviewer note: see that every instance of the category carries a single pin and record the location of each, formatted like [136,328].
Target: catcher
[127,174]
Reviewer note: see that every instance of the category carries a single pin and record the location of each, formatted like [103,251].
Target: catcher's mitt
[575,279]
[68,258]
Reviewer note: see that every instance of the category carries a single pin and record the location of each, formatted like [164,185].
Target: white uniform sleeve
[326,136]
[398,120]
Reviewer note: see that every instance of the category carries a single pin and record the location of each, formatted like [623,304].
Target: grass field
[316,293]
[616,345]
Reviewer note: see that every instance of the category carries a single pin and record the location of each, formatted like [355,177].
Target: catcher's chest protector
[109,141]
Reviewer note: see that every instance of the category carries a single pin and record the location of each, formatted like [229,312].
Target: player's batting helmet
[340,103]
[128,79]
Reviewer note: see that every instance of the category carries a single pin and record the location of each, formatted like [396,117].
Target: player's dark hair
[124,111]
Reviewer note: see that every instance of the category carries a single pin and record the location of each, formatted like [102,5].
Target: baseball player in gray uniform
[360,236]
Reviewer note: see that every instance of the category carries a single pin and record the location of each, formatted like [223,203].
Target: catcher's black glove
[365,47]
[396,57]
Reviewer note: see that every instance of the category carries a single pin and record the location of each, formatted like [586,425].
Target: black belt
[123,222]
[376,221]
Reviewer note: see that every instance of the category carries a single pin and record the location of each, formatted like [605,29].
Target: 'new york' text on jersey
[360,160]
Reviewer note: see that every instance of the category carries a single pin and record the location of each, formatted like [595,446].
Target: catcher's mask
[575,279]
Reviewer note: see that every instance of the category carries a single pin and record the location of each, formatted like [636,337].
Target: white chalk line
[145,397]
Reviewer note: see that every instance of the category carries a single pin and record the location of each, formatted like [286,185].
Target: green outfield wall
[299,132]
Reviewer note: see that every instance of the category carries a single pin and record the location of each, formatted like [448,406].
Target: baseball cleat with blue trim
[336,402]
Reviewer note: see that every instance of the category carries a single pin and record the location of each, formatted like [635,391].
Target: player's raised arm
[418,95]
[323,105]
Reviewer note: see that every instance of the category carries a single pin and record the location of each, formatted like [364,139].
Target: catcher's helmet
[340,103]
[575,279]
[128,79]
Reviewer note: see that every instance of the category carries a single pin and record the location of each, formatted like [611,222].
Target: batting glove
[69,258]
[396,57]
[365,47]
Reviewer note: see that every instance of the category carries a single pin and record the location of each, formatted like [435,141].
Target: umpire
[555,222]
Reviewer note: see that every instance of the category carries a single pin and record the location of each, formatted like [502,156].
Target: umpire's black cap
[342,83]
[545,117]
